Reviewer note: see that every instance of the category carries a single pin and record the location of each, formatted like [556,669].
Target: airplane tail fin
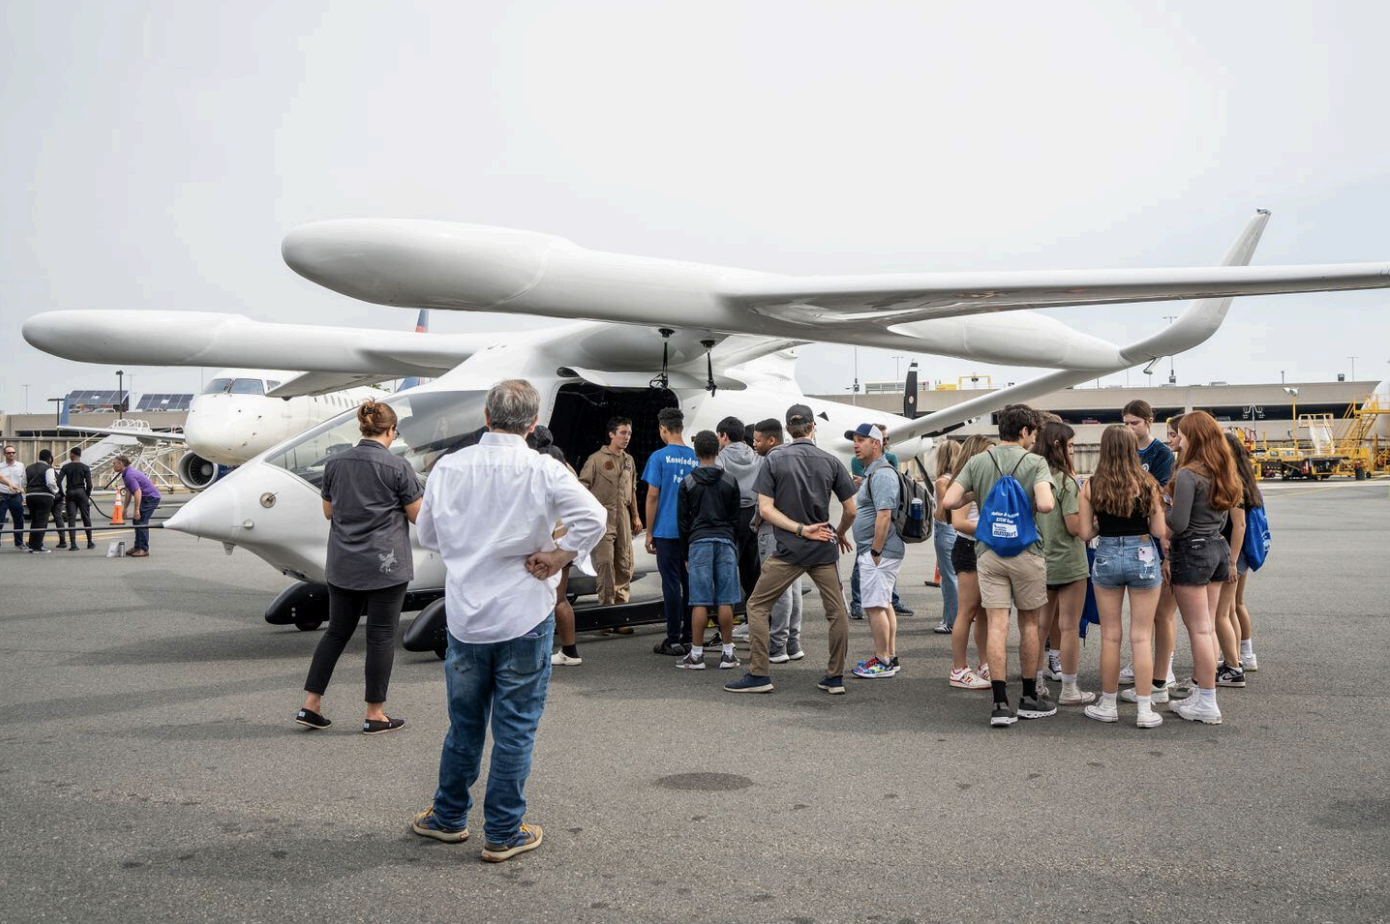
[63,412]
[422,326]
[910,392]
[1194,326]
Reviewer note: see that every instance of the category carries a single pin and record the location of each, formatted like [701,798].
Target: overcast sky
[152,155]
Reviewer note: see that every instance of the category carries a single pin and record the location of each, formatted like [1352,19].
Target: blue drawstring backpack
[1006,517]
[1255,548]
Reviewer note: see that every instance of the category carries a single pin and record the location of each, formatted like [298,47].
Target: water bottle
[916,517]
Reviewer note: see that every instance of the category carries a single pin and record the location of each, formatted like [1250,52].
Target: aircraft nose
[213,514]
[426,264]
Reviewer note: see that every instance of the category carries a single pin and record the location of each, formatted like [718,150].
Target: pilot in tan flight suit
[611,475]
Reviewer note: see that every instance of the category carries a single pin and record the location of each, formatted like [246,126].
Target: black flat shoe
[311,719]
[373,727]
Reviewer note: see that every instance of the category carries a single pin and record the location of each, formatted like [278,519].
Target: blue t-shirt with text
[665,469]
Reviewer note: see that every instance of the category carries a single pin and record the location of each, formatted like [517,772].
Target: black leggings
[345,608]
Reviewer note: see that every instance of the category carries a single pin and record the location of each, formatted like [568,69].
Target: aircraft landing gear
[302,605]
[428,631]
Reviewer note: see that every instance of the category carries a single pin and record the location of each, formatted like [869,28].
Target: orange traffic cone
[118,511]
[936,578]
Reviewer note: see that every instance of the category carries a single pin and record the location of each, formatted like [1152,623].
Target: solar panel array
[90,398]
[164,402]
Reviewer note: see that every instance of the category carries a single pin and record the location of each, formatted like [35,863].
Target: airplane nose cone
[213,514]
[426,264]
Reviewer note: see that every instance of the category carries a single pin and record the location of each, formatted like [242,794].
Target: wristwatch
[875,553]
[799,528]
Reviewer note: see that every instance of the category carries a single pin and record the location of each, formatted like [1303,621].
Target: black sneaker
[311,719]
[1002,716]
[668,647]
[1230,677]
[374,727]
[1036,707]
[904,610]
[750,683]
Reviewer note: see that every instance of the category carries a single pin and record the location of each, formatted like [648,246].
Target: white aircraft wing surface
[143,434]
[474,268]
[193,338]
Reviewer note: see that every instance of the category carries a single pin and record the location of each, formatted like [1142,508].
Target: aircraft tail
[63,412]
[1194,326]
[910,392]
[422,326]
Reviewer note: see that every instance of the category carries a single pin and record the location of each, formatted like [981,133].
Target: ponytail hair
[374,418]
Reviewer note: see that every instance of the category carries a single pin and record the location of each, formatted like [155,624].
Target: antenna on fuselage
[709,364]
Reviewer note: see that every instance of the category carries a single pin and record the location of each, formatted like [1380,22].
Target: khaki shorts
[1019,582]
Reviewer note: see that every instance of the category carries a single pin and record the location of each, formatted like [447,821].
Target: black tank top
[1136,524]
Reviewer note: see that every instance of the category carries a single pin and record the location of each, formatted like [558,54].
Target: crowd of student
[1164,532]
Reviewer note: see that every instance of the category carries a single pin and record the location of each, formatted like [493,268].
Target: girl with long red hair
[1199,559]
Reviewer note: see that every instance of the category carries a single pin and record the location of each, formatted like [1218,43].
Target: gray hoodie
[739,460]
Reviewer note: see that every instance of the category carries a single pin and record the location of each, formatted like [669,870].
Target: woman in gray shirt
[368,495]
[1205,488]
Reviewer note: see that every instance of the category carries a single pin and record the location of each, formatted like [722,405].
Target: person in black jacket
[75,484]
[707,515]
[40,491]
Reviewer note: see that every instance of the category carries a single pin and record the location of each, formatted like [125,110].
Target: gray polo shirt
[369,537]
[800,477]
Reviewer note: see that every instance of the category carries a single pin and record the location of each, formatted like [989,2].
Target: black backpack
[913,517]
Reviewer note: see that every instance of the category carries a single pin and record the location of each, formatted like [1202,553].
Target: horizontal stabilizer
[323,383]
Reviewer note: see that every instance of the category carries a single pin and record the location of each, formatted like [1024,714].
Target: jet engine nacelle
[197,473]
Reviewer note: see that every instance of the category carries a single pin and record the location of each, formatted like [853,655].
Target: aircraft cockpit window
[428,426]
[217,386]
[248,387]
[271,385]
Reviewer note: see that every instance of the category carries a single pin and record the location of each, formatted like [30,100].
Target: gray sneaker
[691,662]
[1036,707]
[728,661]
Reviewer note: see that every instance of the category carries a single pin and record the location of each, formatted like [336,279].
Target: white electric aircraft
[647,334]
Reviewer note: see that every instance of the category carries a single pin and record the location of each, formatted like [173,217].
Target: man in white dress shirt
[490,511]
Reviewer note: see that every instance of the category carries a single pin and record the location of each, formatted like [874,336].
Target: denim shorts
[1195,561]
[1127,561]
[714,573]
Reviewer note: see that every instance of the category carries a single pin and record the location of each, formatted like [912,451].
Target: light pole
[1281,376]
[26,399]
[1172,376]
[1353,366]
[1293,393]
[120,394]
[897,375]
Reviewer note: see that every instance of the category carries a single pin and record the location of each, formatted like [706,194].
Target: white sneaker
[1072,695]
[560,659]
[1196,709]
[983,672]
[1147,718]
[1159,696]
[1053,671]
[1103,712]
[1127,675]
[966,679]
[781,658]
[741,630]
[1248,662]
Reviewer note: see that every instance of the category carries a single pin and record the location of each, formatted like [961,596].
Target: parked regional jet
[650,334]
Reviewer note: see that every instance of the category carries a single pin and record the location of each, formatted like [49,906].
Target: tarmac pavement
[150,770]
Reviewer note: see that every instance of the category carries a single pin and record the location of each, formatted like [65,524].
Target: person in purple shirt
[144,497]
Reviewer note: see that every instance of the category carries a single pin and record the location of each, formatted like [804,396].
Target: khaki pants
[777,576]
[612,560]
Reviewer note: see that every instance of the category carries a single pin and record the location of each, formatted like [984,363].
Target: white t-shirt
[14,471]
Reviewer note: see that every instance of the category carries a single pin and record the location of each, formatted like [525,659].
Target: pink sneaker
[966,679]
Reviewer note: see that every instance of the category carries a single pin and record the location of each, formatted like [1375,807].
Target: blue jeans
[1127,561]
[504,682]
[854,606]
[675,588]
[713,574]
[142,519]
[944,539]
[13,504]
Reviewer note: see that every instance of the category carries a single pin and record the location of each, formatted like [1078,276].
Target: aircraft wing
[193,338]
[978,316]
[1195,325]
[323,383]
[144,434]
